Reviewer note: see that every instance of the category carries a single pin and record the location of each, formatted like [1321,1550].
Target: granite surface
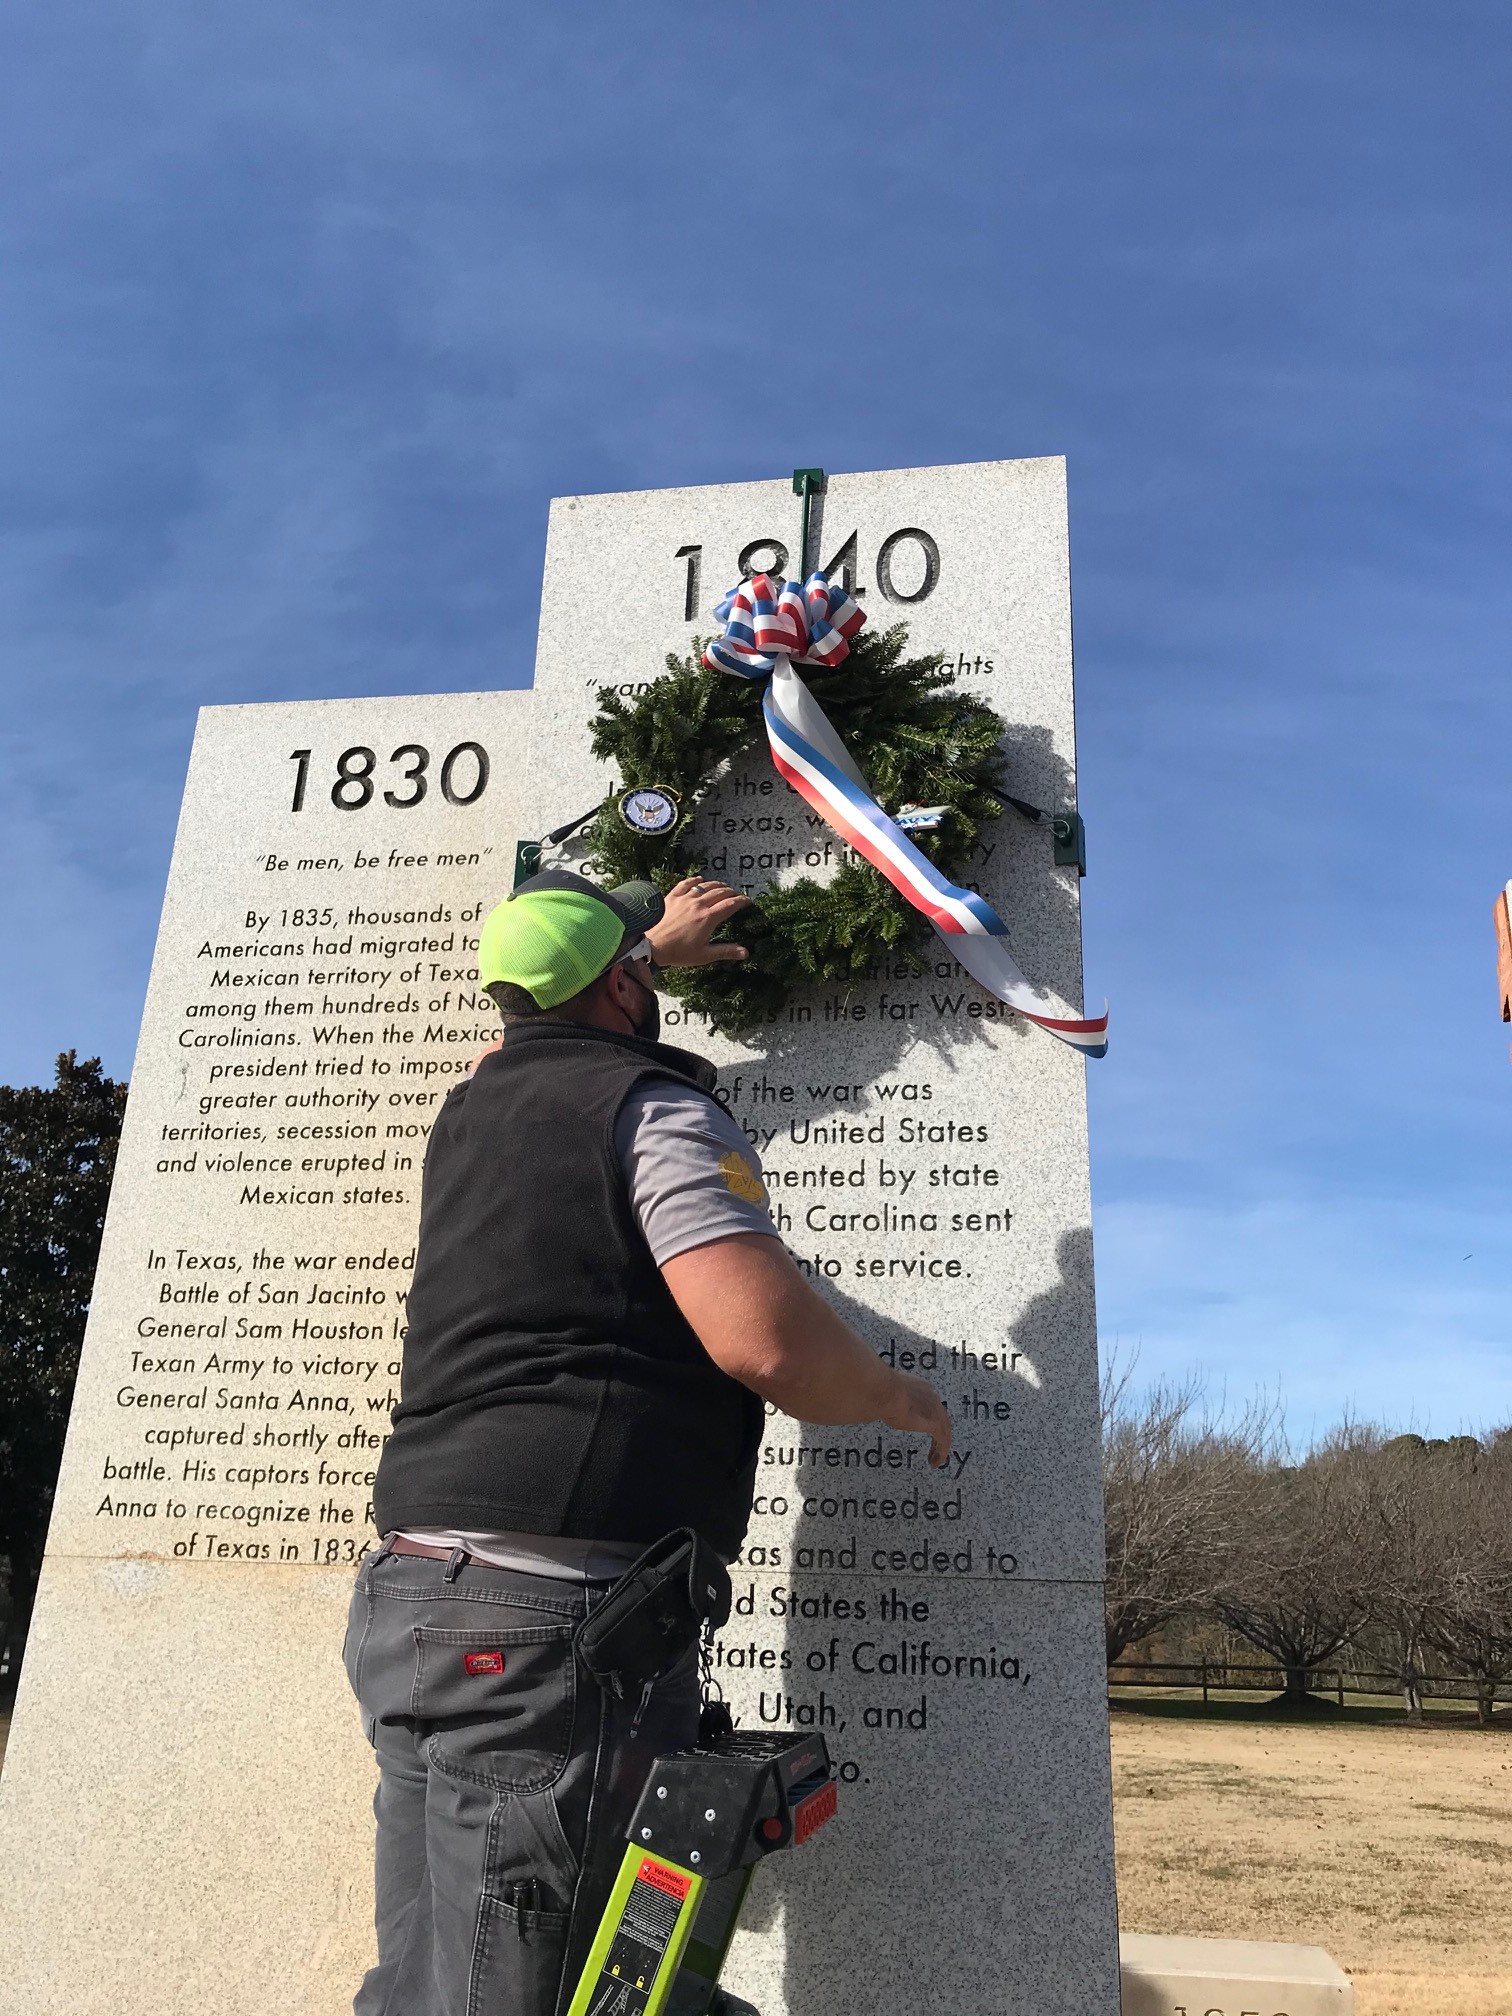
[968,1866]
[184,1811]
[186,1815]
[928,1165]
[313,995]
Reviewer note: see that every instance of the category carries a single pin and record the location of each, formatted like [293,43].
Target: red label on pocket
[483,1662]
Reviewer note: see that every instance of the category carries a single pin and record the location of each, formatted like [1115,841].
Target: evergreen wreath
[915,738]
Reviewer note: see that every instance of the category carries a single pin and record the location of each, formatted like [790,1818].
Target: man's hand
[695,910]
[916,1409]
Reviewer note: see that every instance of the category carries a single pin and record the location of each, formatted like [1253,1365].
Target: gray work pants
[506,1783]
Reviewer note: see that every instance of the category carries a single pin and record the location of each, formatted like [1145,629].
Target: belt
[399,1545]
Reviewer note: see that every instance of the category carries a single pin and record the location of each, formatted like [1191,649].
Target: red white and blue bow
[766,620]
[770,624]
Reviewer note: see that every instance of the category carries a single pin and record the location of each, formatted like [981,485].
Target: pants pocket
[517,1960]
[496,1700]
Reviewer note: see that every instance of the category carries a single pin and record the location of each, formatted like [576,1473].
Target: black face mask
[648,1028]
[647,1024]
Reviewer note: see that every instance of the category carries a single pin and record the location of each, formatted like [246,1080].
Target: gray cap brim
[640,906]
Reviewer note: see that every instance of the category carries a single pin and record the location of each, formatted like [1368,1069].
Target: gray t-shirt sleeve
[692,1175]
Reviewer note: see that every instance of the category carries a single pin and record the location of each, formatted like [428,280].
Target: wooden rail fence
[1214,1676]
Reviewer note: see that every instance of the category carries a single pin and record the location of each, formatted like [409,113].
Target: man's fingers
[713,955]
[717,899]
[696,908]
[940,1432]
[706,886]
[923,1412]
[937,1428]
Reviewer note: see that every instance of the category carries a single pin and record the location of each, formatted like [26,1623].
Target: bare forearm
[761,1322]
[803,1358]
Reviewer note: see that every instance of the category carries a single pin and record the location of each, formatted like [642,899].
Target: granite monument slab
[183,1811]
[926,1154]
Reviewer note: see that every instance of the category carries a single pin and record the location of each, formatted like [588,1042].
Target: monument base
[1164,1976]
[198,1785]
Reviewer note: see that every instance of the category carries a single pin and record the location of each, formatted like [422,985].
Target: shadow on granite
[939,1639]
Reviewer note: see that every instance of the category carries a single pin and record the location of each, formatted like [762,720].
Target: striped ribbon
[771,625]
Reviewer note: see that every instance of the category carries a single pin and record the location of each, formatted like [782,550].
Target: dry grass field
[1390,1846]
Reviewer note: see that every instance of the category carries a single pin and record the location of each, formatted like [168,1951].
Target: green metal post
[807,483]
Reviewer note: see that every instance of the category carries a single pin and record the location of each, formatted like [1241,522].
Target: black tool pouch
[656,1610]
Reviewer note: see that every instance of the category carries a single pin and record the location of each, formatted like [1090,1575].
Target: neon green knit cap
[558,932]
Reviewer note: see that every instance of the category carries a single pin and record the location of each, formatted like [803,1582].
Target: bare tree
[1300,1576]
[1394,1548]
[1171,1485]
[1469,1621]
[1410,1511]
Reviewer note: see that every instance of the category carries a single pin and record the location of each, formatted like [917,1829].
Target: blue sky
[307,311]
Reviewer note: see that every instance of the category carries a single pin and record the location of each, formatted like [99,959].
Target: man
[600,1308]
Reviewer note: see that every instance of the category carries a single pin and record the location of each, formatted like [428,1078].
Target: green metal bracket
[527,859]
[1070,841]
[807,484]
[1068,834]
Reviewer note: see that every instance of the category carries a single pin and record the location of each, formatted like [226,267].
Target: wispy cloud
[1334,1300]
[309,312]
